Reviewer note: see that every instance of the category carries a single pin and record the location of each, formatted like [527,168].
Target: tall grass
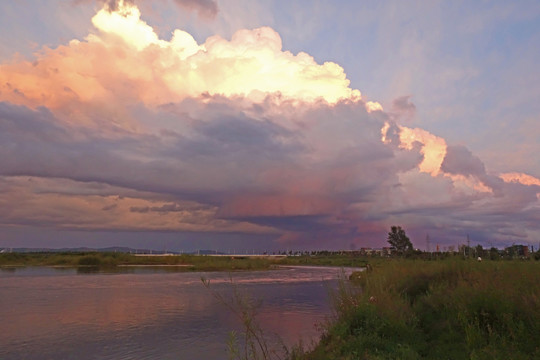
[451,309]
[252,343]
[111,259]
[196,263]
[64,259]
[345,260]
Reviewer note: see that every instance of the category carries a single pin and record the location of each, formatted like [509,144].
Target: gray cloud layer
[318,175]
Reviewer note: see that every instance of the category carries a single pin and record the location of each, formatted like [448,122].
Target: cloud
[403,104]
[460,161]
[114,5]
[205,8]
[403,108]
[433,148]
[39,203]
[109,207]
[521,178]
[124,131]
[139,209]
[126,57]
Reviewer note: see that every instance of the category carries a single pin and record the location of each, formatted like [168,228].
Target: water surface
[151,313]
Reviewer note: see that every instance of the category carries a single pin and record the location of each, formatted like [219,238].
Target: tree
[494,253]
[479,250]
[398,240]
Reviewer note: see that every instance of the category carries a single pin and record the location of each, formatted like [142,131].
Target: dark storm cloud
[109,207]
[460,160]
[204,8]
[220,159]
[324,175]
[329,176]
[137,209]
[403,104]
[111,5]
[218,155]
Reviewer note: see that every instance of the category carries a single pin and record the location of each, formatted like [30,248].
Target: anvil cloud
[125,131]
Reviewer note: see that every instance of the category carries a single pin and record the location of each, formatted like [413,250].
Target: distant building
[385,251]
[517,251]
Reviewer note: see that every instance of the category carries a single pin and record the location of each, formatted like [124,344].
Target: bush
[89,260]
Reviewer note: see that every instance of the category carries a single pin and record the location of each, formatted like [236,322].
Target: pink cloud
[125,60]
[521,178]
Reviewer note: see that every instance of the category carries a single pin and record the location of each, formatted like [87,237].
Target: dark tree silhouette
[398,240]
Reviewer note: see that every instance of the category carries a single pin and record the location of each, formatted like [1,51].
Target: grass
[111,260]
[345,260]
[196,263]
[452,309]
[252,343]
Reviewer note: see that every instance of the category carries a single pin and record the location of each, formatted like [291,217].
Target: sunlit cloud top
[251,64]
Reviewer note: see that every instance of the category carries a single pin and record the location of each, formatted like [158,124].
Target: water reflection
[148,313]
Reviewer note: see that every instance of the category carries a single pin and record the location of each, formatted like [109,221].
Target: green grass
[345,260]
[452,309]
[197,263]
[110,260]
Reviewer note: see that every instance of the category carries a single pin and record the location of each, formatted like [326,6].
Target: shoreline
[187,262]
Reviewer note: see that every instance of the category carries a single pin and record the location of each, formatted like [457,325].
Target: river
[152,313]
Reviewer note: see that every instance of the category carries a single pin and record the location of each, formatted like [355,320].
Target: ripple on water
[51,314]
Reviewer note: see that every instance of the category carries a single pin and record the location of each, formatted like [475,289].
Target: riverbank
[114,260]
[452,309]
[182,262]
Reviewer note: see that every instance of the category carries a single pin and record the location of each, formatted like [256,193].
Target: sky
[241,125]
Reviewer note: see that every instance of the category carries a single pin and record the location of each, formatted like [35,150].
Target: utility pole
[427,244]
[468,246]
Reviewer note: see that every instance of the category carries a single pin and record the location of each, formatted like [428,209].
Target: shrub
[90,260]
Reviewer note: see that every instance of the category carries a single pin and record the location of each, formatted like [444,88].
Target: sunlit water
[146,313]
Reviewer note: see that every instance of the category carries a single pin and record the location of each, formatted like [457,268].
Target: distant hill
[119,249]
[86,249]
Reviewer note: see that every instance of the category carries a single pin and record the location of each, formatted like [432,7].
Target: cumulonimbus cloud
[230,136]
[126,56]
